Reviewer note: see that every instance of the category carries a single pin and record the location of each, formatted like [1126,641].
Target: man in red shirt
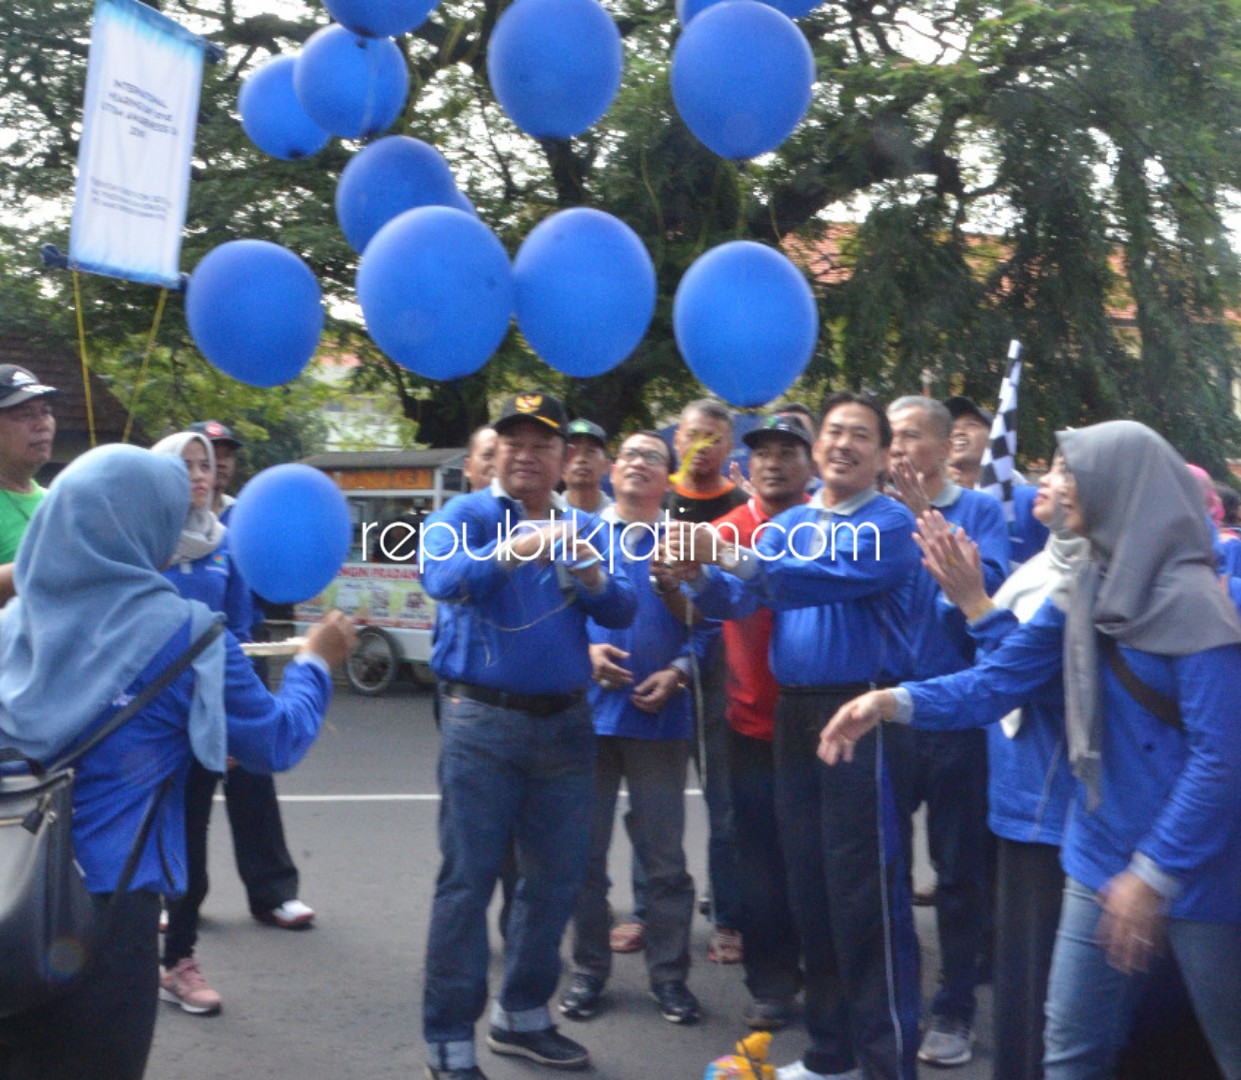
[781,467]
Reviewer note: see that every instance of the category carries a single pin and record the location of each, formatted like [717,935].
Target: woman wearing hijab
[95,622]
[1029,782]
[202,570]
[1152,850]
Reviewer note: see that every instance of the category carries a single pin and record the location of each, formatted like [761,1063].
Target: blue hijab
[93,608]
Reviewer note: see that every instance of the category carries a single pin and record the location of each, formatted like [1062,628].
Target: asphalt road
[343,999]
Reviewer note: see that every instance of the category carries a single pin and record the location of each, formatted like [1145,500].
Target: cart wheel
[373,666]
[423,675]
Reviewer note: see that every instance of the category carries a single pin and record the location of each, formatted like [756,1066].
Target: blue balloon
[352,86]
[272,116]
[289,532]
[460,201]
[255,311]
[745,322]
[555,65]
[436,288]
[741,78]
[380,18]
[585,291]
[794,9]
[387,178]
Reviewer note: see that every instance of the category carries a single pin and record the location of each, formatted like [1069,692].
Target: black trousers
[102,1029]
[772,947]
[849,891]
[1027,912]
[263,860]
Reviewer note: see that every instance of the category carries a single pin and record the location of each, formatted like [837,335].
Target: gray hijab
[1150,580]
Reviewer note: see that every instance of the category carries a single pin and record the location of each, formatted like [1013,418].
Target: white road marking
[431,797]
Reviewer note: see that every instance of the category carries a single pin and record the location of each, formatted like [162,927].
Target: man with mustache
[27,431]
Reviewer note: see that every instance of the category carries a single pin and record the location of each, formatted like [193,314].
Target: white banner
[138,124]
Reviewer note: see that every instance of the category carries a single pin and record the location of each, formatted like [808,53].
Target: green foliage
[1057,172]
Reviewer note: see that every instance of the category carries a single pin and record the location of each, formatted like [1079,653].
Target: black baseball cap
[590,430]
[216,432]
[962,406]
[781,424]
[18,385]
[534,405]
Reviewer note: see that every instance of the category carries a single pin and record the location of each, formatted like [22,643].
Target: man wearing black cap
[781,467]
[263,860]
[971,431]
[27,431]
[585,467]
[225,445]
[515,580]
[971,428]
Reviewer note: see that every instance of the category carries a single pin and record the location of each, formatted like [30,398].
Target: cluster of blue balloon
[434,284]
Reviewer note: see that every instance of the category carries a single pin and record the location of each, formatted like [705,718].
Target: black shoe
[472,1073]
[768,1014]
[580,1001]
[676,1003]
[547,1047]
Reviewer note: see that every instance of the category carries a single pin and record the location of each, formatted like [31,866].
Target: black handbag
[48,925]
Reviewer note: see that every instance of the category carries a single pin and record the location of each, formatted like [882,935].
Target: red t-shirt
[751,687]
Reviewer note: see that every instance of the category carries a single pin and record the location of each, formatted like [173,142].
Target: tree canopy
[1056,172]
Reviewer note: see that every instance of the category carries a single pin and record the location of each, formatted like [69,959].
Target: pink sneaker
[183,984]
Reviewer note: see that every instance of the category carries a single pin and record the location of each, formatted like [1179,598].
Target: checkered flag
[999,460]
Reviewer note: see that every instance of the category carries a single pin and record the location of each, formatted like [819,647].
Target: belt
[535,704]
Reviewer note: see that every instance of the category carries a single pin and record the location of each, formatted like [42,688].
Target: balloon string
[650,190]
[700,443]
[90,409]
[146,359]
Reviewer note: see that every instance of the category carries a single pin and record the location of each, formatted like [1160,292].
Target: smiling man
[644,723]
[27,431]
[514,587]
[837,625]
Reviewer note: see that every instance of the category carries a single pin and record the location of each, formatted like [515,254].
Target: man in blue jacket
[644,722]
[837,572]
[949,769]
[515,587]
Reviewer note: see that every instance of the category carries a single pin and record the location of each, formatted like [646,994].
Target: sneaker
[472,1073]
[677,1004]
[947,1042]
[628,936]
[768,1014]
[798,1071]
[580,1001]
[184,985]
[547,1047]
[291,915]
[726,946]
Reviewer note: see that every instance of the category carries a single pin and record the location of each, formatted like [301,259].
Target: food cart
[389,493]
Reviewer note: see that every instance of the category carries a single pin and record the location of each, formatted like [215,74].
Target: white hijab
[202,532]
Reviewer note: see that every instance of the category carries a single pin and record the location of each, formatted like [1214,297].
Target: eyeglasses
[651,457]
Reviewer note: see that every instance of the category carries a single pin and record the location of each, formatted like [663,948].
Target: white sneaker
[291,915]
[947,1042]
[798,1071]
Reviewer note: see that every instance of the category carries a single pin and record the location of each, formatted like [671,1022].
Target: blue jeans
[504,775]
[1090,1004]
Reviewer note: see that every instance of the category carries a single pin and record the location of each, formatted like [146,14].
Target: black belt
[535,704]
[847,690]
